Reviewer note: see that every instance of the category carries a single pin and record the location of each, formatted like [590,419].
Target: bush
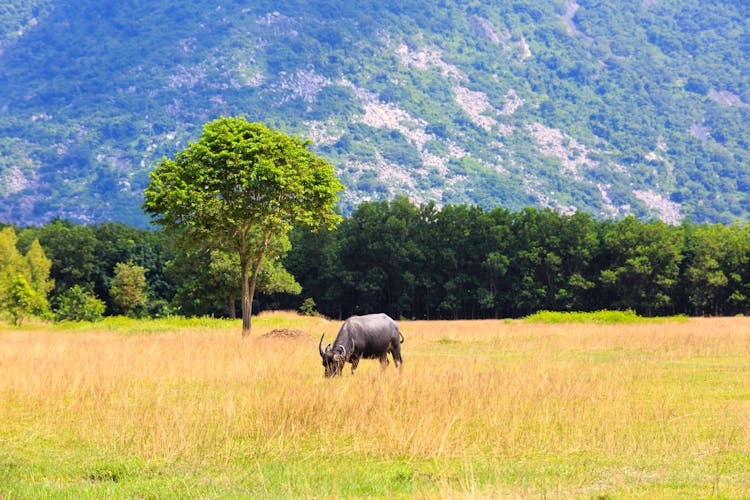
[604,316]
[308,307]
[76,304]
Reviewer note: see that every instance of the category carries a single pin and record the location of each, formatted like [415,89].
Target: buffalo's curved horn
[343,350]
[320,345]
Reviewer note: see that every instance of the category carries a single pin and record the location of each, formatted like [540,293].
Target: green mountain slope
[613,109]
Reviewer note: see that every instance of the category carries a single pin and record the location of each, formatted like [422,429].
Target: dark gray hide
[370,336]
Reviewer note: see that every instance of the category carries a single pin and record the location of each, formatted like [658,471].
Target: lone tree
[241,188]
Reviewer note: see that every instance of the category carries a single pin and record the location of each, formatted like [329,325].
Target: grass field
[181,408]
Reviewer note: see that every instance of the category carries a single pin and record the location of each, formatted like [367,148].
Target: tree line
[77,272]
[419,261]
[408,260]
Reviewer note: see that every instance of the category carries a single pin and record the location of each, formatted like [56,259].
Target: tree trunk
[248,289]
[247,299]
[232,308]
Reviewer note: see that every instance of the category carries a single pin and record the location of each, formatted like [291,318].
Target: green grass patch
[601,317]
[133,326]
[336,474]
[447,341]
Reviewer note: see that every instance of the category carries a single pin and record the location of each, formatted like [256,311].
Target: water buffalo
[370,336]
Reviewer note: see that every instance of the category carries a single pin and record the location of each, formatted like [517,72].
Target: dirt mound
[285,333]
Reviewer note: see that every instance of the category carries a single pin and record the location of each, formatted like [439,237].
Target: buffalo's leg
[397,360]
[384,362]
[354,360]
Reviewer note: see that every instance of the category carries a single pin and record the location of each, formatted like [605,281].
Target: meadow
[495,408]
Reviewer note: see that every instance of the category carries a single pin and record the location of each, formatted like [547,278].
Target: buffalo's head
[333,359]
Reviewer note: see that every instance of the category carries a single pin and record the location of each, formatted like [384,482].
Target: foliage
[24,278]
[643,271]
[240,189]
[39,267]
[208,283]
[76,304]
[87,255]
[17,16]
[308,307]
[464,262]
[715,276]
[20,302]
[412,261]
[71,248]
[274,278]
[128,286]
[646,97]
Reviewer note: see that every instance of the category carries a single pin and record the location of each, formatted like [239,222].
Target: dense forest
[409,260]
[607,107]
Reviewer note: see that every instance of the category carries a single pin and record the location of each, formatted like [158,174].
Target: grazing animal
[370,336]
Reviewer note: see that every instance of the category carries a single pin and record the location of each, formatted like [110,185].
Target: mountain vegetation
[605,107]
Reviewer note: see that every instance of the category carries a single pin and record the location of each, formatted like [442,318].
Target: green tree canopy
[19,272]
[20,302]
[241,188]
[128,285]
[77,304]
[39,267]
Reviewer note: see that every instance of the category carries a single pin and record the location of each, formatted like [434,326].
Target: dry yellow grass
[482,407]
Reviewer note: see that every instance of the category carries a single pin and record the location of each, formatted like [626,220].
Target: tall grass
[481,408]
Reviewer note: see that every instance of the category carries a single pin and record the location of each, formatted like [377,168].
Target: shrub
[76,304]
[308,307]
[605,316]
